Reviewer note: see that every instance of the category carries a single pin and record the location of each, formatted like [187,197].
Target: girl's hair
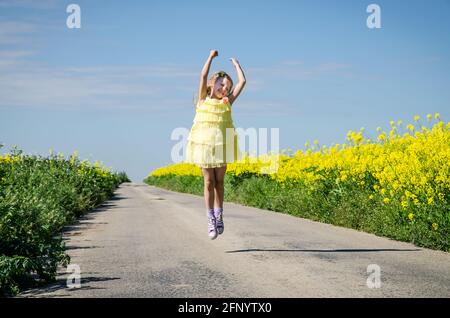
[212,81]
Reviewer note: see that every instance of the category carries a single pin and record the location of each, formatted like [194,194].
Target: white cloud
[12,59]
[266,108]
[12,32]
[164,70]
[15,54]
[331,67]
[162,87]
[296,70]
[292,62]
[26,84]
[40,4]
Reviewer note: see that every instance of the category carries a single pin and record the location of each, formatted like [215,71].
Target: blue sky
[115,89]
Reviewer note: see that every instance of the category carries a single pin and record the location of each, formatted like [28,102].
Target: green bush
[38,197]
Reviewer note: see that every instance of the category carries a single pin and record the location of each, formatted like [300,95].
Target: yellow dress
[212,141]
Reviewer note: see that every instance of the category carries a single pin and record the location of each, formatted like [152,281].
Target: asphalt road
[150,242]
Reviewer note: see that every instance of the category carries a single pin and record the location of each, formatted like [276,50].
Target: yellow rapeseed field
[409,166]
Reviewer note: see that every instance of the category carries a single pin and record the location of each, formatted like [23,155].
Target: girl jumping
[212,141]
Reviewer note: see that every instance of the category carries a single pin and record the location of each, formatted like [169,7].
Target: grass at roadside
[396,186]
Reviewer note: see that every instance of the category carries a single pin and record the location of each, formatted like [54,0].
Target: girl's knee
[219,184]
[210,184]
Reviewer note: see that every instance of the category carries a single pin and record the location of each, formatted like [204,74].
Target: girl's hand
[234,61]
[214,53]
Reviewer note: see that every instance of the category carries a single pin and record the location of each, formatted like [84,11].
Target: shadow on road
[73,247]
[359,250]
[61,285]
[85,221]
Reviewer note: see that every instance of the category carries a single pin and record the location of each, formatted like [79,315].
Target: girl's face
[222,87]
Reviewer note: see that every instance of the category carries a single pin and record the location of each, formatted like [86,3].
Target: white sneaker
[212,227]
[219,221]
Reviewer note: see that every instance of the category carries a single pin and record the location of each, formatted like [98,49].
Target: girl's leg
[209,184]
[219,194]
[219,186]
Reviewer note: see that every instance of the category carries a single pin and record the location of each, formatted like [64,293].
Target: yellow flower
[437,116]
[416,118]
[411,216]
[435,226]
[407,169]
[429,117]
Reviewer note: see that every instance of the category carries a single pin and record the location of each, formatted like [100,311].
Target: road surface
[150,242]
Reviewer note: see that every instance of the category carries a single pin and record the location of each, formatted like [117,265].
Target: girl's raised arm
[204,75]
[240,85]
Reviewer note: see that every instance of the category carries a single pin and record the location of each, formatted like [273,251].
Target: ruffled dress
[212,141]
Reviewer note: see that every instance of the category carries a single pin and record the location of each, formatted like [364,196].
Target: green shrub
[38,197]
